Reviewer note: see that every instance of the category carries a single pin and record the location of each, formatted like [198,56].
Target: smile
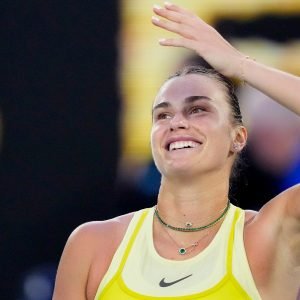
[182,145]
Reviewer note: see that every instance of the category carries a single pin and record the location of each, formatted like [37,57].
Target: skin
[195,181]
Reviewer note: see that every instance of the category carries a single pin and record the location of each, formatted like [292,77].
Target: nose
[178,122]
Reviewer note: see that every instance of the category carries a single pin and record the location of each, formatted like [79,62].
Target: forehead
[179,88]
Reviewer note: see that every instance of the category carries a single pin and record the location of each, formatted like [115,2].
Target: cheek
[153,136]
[155,148]
[154,140]
[211,124]
[219,133]
[156,133]
[223,142]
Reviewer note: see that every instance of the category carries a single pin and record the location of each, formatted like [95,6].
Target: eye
[163,116]
[196,109]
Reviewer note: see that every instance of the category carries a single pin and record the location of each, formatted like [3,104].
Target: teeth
[182,144]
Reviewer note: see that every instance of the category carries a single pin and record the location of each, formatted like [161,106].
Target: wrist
[244,63]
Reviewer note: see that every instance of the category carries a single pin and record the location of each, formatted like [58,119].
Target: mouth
[178,145]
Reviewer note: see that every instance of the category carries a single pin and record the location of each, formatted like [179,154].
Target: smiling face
[192,132]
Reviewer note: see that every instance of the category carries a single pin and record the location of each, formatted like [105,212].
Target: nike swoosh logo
[162,283]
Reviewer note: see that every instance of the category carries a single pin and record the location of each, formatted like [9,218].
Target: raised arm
[280,218]
[197,35]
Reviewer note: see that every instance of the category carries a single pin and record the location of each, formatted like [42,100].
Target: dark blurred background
[62,136]
[60,108]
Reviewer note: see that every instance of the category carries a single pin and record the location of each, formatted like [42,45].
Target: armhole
[240,265]
[117,257]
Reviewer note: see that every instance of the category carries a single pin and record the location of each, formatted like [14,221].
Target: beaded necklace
[189,227]
[188,249]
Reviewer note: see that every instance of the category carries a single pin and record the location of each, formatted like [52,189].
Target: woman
[194,244]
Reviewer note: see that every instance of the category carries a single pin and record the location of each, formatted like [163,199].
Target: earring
[236,147]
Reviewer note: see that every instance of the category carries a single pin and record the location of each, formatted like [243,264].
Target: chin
[179,169]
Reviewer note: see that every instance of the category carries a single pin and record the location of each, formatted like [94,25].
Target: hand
[197,35]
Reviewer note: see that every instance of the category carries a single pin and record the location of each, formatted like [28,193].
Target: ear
[239,138]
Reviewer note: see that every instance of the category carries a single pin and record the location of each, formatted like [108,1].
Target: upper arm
[293,203]
[281,219]
[284,207]
[73,269]
[84,260]
[293,212]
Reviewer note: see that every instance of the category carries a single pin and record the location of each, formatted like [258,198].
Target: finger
[184,12]
[180,29]
[171,15]
[179,9]
[179,42]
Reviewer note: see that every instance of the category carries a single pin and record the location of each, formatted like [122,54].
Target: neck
[196,200]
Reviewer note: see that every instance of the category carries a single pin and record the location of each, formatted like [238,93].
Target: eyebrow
[187,100]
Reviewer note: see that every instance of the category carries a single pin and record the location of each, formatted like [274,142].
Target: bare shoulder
[276,211]
[86,257]
[278,221]
[88,237]
[99,231]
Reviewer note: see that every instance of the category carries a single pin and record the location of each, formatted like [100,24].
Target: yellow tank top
[221,271]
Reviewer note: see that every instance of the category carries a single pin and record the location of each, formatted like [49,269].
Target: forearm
[280,86]
[196,35]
